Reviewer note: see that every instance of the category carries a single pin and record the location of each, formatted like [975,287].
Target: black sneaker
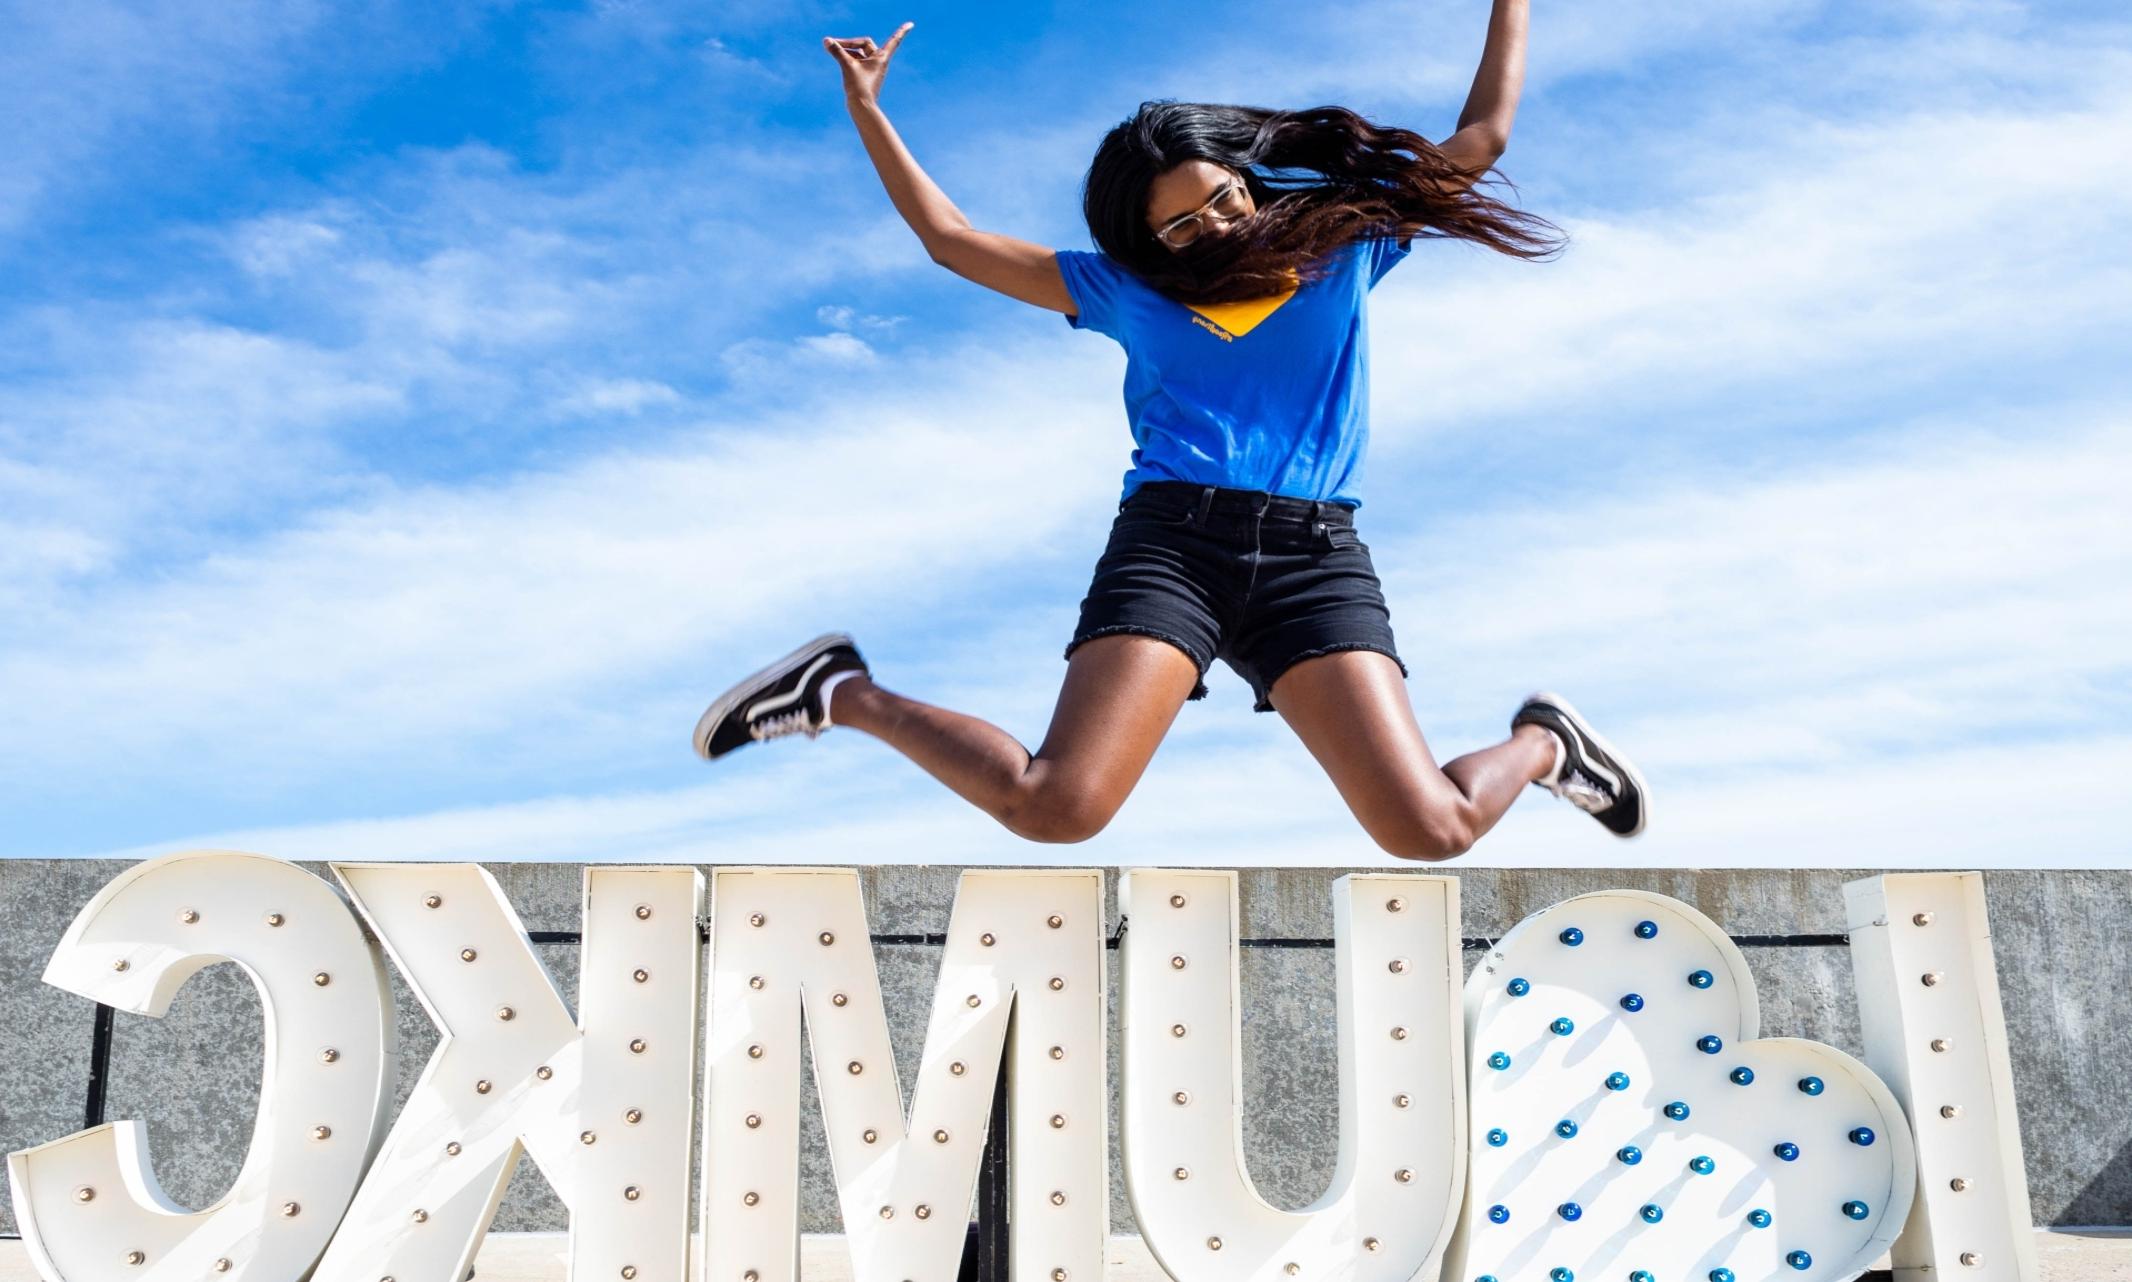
[1593,776]
[785,698]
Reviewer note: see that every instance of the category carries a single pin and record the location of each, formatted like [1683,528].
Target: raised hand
[864,63]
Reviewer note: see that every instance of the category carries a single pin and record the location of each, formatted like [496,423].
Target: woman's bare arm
[1016,268]
[1484,126]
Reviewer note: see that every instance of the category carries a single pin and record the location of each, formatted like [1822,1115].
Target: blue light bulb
[1566,1129]
[1560,1274]
[1499,1213]
[1647,930]
[1857,1210]
[1721,1275]
[1677,1110]
[1650,1213]
[1862,1136]
[1628,1155]
[1641,1275]
[1709,1044]
[1570,1211]
[1741,1076]
[1699,979]
[1787,1150]
[1518,987]
[1810,1085]
[1561,1028]
[1617,1081]
[1701,1165]
[1498,1137]
[1572,936]
[1630,1001]
[1498,1059]
[1759,1218]
[1485,1277]
[1799,1260]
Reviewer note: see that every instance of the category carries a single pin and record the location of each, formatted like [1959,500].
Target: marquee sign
[1603,1106]
[1634,1121]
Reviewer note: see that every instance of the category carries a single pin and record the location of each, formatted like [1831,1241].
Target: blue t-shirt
[1270,394]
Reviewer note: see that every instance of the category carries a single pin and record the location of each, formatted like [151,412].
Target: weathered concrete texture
[44,1033]
[193,1076]
[2059,943]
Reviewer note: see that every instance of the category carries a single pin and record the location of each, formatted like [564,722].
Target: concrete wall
[2059,938]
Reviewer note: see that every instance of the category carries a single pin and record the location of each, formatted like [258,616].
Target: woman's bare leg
[1350,709]
[1120,696]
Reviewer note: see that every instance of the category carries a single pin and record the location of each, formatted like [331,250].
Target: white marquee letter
[1395,1190]
[1928,995]
[89,1205]
[1029,942]
[605,1111]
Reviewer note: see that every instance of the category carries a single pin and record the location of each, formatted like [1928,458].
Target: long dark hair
[1358,180]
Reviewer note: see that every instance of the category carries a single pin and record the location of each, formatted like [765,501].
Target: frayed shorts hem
[1199,687]
[1262,704]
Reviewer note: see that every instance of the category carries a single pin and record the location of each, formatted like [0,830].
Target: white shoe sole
[1635,776]
[707,724]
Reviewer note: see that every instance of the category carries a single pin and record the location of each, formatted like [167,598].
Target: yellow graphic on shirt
[1231,320]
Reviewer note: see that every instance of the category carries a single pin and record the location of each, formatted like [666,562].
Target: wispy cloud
[439,611]
[1812,668]
[1870,255]
[623,396]
[74,78]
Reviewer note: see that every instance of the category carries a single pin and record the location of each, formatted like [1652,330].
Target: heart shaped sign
[1627,1125]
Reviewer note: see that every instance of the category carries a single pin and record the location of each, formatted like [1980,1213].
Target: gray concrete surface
[2060,942]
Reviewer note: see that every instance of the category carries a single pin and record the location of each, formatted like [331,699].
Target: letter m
[1021,976]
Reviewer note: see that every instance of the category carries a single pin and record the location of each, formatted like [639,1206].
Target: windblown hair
[1357,180]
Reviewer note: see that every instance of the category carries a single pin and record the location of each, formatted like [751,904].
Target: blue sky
[410,416]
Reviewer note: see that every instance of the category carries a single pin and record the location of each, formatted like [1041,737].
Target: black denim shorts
[1260,581]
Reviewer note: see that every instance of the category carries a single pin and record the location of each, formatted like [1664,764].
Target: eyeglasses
[1225,204]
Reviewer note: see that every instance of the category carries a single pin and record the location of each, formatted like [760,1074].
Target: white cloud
[278,245]
[625,396]
[840,317]
[1855,253]
[727,62]
[167,423]
[1939,588]
[840,348]
[1265,806]
[766,364]
[469,296]
[1841,666]
[431,612]
[477,304]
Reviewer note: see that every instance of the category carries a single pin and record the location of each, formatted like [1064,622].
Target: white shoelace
[783,724]
[1583,792]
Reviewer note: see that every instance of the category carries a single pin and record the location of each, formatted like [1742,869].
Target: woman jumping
[1238,247]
